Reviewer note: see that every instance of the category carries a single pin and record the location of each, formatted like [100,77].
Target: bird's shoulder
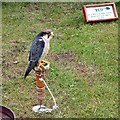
[38,42]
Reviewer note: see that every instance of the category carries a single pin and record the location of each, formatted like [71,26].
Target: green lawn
[84,61]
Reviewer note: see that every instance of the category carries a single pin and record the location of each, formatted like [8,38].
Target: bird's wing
[36,50]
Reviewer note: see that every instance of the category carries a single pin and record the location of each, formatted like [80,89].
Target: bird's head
[47,34]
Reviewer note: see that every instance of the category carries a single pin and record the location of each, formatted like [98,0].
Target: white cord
[55,105]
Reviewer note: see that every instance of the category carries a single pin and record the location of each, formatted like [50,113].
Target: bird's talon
[45,62]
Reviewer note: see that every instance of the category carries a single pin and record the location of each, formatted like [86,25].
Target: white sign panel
[96,13]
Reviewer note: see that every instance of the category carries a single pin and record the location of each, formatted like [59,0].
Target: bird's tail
[30,67]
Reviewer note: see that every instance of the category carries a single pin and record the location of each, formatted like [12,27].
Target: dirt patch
[10,74]
[84,69]
[11,59]
[69,61]
[67,56]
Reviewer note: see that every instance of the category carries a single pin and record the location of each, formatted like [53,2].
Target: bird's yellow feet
[44,65]
[45,62]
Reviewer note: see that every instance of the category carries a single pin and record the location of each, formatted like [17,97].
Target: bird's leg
[46,67]
[40,65]
[43,66]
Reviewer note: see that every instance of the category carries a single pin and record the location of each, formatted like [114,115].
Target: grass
[84,61]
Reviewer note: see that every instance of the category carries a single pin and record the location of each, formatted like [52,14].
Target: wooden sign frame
[100,12]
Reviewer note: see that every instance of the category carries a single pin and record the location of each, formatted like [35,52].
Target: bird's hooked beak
[52,34]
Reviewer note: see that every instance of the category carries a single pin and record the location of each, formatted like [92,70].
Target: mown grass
[84,61]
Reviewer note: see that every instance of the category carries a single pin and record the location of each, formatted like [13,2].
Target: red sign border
[98,5]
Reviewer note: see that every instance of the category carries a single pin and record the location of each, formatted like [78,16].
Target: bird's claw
[44,65]
[45,62]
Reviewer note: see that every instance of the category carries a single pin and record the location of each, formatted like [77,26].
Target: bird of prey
[39,49]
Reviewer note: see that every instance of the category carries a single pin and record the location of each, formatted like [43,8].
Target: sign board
[100,12]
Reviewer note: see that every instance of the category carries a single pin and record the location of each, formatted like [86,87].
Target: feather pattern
[35,54]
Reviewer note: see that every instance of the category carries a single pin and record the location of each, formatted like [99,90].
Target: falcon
[39,49]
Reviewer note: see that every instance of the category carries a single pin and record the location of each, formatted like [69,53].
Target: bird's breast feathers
[46,49]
